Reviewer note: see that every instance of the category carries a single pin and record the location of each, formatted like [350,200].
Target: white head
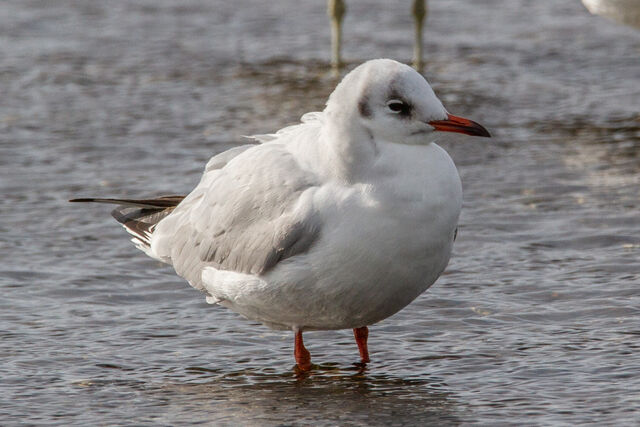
[394,103]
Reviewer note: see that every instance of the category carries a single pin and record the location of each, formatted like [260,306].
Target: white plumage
[337,222]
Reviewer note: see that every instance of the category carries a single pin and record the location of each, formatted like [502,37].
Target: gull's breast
[382,245]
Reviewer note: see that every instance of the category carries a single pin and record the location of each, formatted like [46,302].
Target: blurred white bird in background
[624,11]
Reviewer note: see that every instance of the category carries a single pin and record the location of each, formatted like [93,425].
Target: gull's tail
[140,216]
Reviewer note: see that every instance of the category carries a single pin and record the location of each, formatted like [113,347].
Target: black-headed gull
[337,222]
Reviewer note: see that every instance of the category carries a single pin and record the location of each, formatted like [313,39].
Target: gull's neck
[349,147]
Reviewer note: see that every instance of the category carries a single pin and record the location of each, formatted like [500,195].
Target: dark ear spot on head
[364,108]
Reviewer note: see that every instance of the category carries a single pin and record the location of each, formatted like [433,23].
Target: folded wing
[246,216]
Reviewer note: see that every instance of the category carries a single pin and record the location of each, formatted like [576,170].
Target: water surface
[536,321]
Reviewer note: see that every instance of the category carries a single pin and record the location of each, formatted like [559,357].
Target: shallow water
[536,321]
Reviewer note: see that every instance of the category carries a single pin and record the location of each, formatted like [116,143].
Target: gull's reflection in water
[327,395]
[624,11]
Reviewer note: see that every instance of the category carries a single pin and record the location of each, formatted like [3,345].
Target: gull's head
[394,103]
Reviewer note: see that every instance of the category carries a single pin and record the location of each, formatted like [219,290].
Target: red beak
[460,125]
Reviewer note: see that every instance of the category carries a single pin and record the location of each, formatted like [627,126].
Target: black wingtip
[82,200]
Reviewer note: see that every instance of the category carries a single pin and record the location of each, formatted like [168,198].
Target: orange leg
[302,355]
[361,335]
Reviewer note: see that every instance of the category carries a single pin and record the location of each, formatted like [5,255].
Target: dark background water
[536,321]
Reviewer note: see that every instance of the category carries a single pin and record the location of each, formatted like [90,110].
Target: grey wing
[247,216]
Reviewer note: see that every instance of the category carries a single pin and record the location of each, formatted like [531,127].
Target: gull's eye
[399,107]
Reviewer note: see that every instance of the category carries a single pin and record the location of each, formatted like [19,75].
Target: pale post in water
[336,10]
[419,14]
